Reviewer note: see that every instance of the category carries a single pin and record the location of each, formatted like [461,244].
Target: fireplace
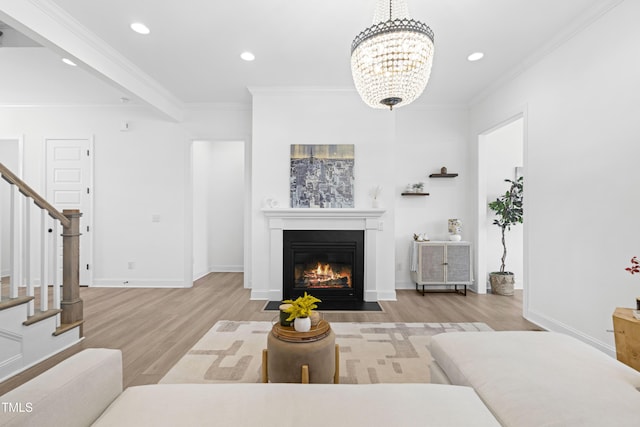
[328,264]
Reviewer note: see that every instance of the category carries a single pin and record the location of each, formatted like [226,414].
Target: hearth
[328,264]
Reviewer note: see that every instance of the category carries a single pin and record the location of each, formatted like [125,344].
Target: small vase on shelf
[302,324]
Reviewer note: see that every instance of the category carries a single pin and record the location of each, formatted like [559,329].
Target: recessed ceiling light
[140,28]
[247,56]
[68,62]
[476,56]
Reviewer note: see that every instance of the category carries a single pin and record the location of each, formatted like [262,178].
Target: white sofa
[86,389]
[535,379]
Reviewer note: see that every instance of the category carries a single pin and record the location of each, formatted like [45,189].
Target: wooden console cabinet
[443,263]
[627,336]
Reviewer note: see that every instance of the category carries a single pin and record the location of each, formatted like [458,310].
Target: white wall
[201,180]
[581,109]
[503,150]
[426,140]
[226,206]
[143,172]
[137,174]
[328,117]
[9,156]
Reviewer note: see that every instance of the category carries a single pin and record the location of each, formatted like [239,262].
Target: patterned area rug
[369,352]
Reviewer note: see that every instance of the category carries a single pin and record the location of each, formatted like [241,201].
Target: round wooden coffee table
[301,357]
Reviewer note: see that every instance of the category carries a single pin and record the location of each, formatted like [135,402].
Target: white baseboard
[374,296]
[556,326]
[139,283]
[200,275]
[265,295]
[226,269]
[219,269]
[405,285]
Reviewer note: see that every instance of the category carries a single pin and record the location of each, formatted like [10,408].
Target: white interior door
[69,186]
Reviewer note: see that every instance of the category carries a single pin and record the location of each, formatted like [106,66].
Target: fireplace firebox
[328,264]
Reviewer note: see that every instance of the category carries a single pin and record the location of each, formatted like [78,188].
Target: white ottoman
[533,379]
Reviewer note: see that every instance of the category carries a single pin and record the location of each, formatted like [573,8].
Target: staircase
[38,322]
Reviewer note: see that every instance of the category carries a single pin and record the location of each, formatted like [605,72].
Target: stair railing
[67,307]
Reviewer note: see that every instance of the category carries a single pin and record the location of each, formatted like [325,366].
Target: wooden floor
[154,328]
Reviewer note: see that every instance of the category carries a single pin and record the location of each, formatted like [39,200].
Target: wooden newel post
[71,303]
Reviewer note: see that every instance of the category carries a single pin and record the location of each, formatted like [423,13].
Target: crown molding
[297,90]
[51,26]
[582,22]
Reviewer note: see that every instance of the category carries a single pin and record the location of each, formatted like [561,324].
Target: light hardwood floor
[154,328]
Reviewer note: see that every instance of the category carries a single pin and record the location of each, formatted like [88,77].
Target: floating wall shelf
[443,175]
[415,194]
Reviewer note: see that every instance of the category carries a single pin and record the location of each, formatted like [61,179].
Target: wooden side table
[302,357]
[627,336]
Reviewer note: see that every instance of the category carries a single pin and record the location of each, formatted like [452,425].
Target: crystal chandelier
[391,60]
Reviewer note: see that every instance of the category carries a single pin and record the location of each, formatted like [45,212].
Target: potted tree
[508,209]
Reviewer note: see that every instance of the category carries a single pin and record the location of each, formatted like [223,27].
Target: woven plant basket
[502,284]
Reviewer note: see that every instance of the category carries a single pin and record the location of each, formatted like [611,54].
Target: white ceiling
[194,46]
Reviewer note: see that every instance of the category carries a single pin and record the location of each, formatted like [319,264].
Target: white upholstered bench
[535,379]
[86,389]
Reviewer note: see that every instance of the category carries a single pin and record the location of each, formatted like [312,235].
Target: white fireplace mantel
[322,213]
[281,219]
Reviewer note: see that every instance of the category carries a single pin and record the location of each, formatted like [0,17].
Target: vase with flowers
[375,196]
[635,268]
[300,311]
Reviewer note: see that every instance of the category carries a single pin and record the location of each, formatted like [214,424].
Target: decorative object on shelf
[455,227]
[321,176]
[443,174]
[422,237]
[509,210]
[416,189]
[635,268]
[300,311]
[391,60]
[271,203]
[375,196]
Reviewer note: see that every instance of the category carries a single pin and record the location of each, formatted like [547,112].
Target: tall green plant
[508,209]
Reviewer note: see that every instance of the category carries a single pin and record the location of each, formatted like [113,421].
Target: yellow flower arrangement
[301,306]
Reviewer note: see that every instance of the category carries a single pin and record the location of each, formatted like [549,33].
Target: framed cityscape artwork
[321,176]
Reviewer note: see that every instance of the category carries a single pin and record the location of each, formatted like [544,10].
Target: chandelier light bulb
[391,60]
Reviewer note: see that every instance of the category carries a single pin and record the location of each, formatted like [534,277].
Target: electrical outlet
[132,265]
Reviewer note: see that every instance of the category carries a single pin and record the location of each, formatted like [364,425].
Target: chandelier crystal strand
[391,60]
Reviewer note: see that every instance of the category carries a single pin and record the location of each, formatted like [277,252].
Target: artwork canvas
[321,176]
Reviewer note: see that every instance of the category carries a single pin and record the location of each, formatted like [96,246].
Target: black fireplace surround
[328,264]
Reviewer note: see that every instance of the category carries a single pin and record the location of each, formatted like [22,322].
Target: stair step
[40,315]
[12,302]
[65,327]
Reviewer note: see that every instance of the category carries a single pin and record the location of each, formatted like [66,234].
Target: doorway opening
[219,198]
[501,155]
